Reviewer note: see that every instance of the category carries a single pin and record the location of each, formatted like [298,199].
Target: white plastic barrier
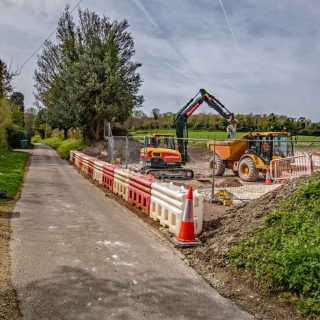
[85,163]
[97,170]
[121,183]
[167,205]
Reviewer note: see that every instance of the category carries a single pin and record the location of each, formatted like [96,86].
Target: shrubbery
[14,137]
[62,146]
[285,252]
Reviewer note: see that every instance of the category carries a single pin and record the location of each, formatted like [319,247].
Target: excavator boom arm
[181,118]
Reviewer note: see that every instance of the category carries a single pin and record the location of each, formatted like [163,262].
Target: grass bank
[63,147]
[284,253]
[12,167]
[11,171]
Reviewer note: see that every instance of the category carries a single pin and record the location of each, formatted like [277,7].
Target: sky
[254,56]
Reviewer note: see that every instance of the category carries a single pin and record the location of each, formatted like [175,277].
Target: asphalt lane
[77,254]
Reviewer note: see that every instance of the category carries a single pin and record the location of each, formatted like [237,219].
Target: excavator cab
[161,141]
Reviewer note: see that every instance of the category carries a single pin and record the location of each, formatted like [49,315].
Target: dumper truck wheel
[247,170]
[219,166]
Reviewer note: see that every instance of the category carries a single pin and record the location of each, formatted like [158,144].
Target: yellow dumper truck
[251,154]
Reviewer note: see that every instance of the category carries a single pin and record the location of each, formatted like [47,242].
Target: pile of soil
[97,149]
[220,233]
[121,150]
[229,182]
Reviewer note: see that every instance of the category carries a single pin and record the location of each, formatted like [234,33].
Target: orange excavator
[160,156]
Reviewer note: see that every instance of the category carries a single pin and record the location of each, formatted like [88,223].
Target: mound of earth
[97,149]
[229,182]
[219,234]
[121,150]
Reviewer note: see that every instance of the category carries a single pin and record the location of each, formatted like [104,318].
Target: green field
[11,171]
[215,135]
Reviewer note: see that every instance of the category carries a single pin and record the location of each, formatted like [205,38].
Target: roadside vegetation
[63,146]
[11,171]
[284,253]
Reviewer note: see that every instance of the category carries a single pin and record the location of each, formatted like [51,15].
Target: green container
[24,144]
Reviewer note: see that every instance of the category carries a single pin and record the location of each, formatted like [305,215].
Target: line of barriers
[294,167]
[163,202]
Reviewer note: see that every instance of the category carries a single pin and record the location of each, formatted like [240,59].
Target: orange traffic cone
[186,237]
[268,179]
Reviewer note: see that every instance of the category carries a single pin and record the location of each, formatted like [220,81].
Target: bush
[14,136]
[62,146]
[36,139]
[5,122]
[67,145]
[285,252]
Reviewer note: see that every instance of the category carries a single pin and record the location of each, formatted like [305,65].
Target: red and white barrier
[108,176]
[164,202]
[140,191]
[292,167]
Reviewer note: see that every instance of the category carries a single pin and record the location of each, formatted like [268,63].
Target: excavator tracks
[174,173]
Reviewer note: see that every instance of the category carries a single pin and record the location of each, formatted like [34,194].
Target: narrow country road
[77,254]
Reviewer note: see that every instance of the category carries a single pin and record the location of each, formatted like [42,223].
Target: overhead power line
[49,36]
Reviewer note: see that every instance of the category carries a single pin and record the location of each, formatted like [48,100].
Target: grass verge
[12,165]
[11,171]
[63,147]
[284,253]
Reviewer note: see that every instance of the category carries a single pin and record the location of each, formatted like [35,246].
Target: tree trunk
[65,133]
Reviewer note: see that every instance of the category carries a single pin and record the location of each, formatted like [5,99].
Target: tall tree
[89,76]
[17,98]
[5,79]
[155,113]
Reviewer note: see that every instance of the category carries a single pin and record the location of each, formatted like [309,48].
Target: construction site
[159,160]
[234,203]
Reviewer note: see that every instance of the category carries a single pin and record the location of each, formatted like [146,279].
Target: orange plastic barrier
[140,191]
[108,176]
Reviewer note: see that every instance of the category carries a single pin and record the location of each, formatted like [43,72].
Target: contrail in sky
[157,26]
[230,27]
[146,13]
